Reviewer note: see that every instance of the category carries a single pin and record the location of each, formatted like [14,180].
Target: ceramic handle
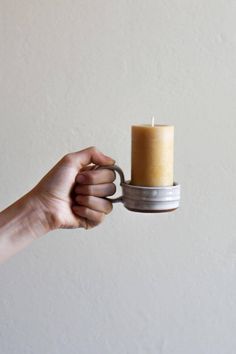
[117,169]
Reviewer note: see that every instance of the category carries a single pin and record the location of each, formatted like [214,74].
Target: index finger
[96,176]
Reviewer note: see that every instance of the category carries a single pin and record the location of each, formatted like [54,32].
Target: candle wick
[153,121]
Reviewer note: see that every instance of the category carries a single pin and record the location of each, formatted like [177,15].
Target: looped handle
[122,179]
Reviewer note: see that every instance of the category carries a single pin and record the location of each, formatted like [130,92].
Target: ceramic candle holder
[145,199]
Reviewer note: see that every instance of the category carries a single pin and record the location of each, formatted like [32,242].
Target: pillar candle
[152,155]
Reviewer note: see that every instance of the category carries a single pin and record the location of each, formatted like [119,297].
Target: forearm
[20,224]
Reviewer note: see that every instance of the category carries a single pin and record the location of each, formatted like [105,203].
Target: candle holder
[145,199]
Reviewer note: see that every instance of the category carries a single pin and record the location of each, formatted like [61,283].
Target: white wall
[79,73]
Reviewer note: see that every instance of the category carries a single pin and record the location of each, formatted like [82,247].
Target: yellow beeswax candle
[152,155]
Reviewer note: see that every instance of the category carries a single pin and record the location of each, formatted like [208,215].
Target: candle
[152,155]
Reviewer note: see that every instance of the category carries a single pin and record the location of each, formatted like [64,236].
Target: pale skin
[71,195]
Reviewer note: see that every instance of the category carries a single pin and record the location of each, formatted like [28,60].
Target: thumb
[90,155]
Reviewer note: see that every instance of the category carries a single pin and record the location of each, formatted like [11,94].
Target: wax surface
[152,155]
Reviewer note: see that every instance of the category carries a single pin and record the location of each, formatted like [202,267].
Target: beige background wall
[79,73]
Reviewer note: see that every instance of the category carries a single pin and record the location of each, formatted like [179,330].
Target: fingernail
[110,158]
[80,178]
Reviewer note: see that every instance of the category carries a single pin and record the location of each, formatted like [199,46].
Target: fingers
[96,204]
[95,176]
[92,217]
[87,156]
[99,190]
[91,209]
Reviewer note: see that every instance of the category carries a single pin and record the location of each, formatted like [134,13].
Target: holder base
[152,211]
[150,199]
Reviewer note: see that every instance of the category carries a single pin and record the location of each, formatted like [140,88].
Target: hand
[70,194]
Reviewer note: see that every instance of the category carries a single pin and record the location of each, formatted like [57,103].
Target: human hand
[71,194]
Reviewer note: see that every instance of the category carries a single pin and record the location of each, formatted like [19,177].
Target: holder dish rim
[175,185]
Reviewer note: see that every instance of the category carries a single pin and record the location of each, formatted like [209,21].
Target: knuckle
[93,148]
[86,211]
[87,189]
[88,199]
[67,158]
[81,189]
[85,200]
[77,198]
[90,177]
